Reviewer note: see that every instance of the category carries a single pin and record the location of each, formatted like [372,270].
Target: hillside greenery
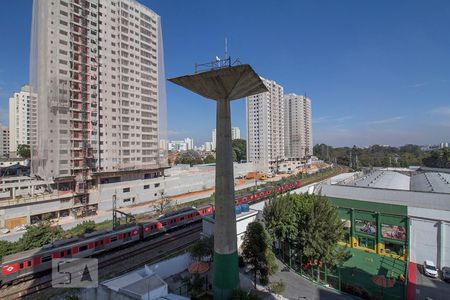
[383,156]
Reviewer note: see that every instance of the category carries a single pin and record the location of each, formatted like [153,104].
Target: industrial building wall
[430,236]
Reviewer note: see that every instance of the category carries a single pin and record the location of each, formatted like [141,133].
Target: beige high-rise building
[265,127]
[19,118]
[298,128]
[97,71]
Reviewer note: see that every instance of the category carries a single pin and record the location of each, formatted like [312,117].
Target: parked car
[430,269]
[446,274]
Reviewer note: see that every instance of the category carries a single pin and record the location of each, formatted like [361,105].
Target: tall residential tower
[297,126]
[97,80]
[97,73]
[19,118]
[265,127]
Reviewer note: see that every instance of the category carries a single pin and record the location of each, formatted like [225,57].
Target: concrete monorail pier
[224,83]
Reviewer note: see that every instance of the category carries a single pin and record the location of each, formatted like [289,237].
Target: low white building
[150,282]
[242,220]
[176,146]
[140,284]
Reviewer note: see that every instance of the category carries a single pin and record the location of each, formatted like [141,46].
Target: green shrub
[277,287]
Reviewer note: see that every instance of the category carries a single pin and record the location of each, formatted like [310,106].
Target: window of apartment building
[126,190]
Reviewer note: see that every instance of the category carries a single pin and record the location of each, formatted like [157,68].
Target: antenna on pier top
[226,48]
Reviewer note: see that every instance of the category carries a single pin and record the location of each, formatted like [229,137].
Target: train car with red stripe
[40,259]
[263,193]
[173,220]
[184,216]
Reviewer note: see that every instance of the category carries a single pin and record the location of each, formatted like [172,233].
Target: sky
[377,72]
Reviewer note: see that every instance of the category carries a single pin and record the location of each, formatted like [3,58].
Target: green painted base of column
[226,275]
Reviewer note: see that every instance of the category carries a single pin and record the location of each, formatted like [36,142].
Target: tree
[23,151]
[280,217]
[309,224]
[190,157]
[439,158]
[239,149]
[257,252]
[209,159]
[38,235]
[6,248]
[319,231]
[204,248]
[163,204]
[373,156]
[82,228]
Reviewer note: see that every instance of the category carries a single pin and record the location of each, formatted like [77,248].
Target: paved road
[296,287]
[433,288]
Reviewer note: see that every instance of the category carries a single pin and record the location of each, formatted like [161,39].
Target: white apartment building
[97,70]
[235,133]
[265,127]
[190,143]
[19,118]
[176,146]
[213,140]
[297,126]
[208,146]
[4,141]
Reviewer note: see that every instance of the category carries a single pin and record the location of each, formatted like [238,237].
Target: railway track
[112,263]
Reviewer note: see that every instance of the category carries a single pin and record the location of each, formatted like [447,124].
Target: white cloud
[328,119]
[320,120]
[444,110]
[417,85]
[386,121]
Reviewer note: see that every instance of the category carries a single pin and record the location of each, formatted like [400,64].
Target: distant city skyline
[372,82]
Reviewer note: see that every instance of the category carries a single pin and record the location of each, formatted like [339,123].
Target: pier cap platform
[229,83]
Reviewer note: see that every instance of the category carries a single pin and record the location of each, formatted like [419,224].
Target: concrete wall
[141,190]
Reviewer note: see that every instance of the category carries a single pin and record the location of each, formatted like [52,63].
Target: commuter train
[40,259]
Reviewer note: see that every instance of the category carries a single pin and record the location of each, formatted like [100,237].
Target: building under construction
[97,76]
